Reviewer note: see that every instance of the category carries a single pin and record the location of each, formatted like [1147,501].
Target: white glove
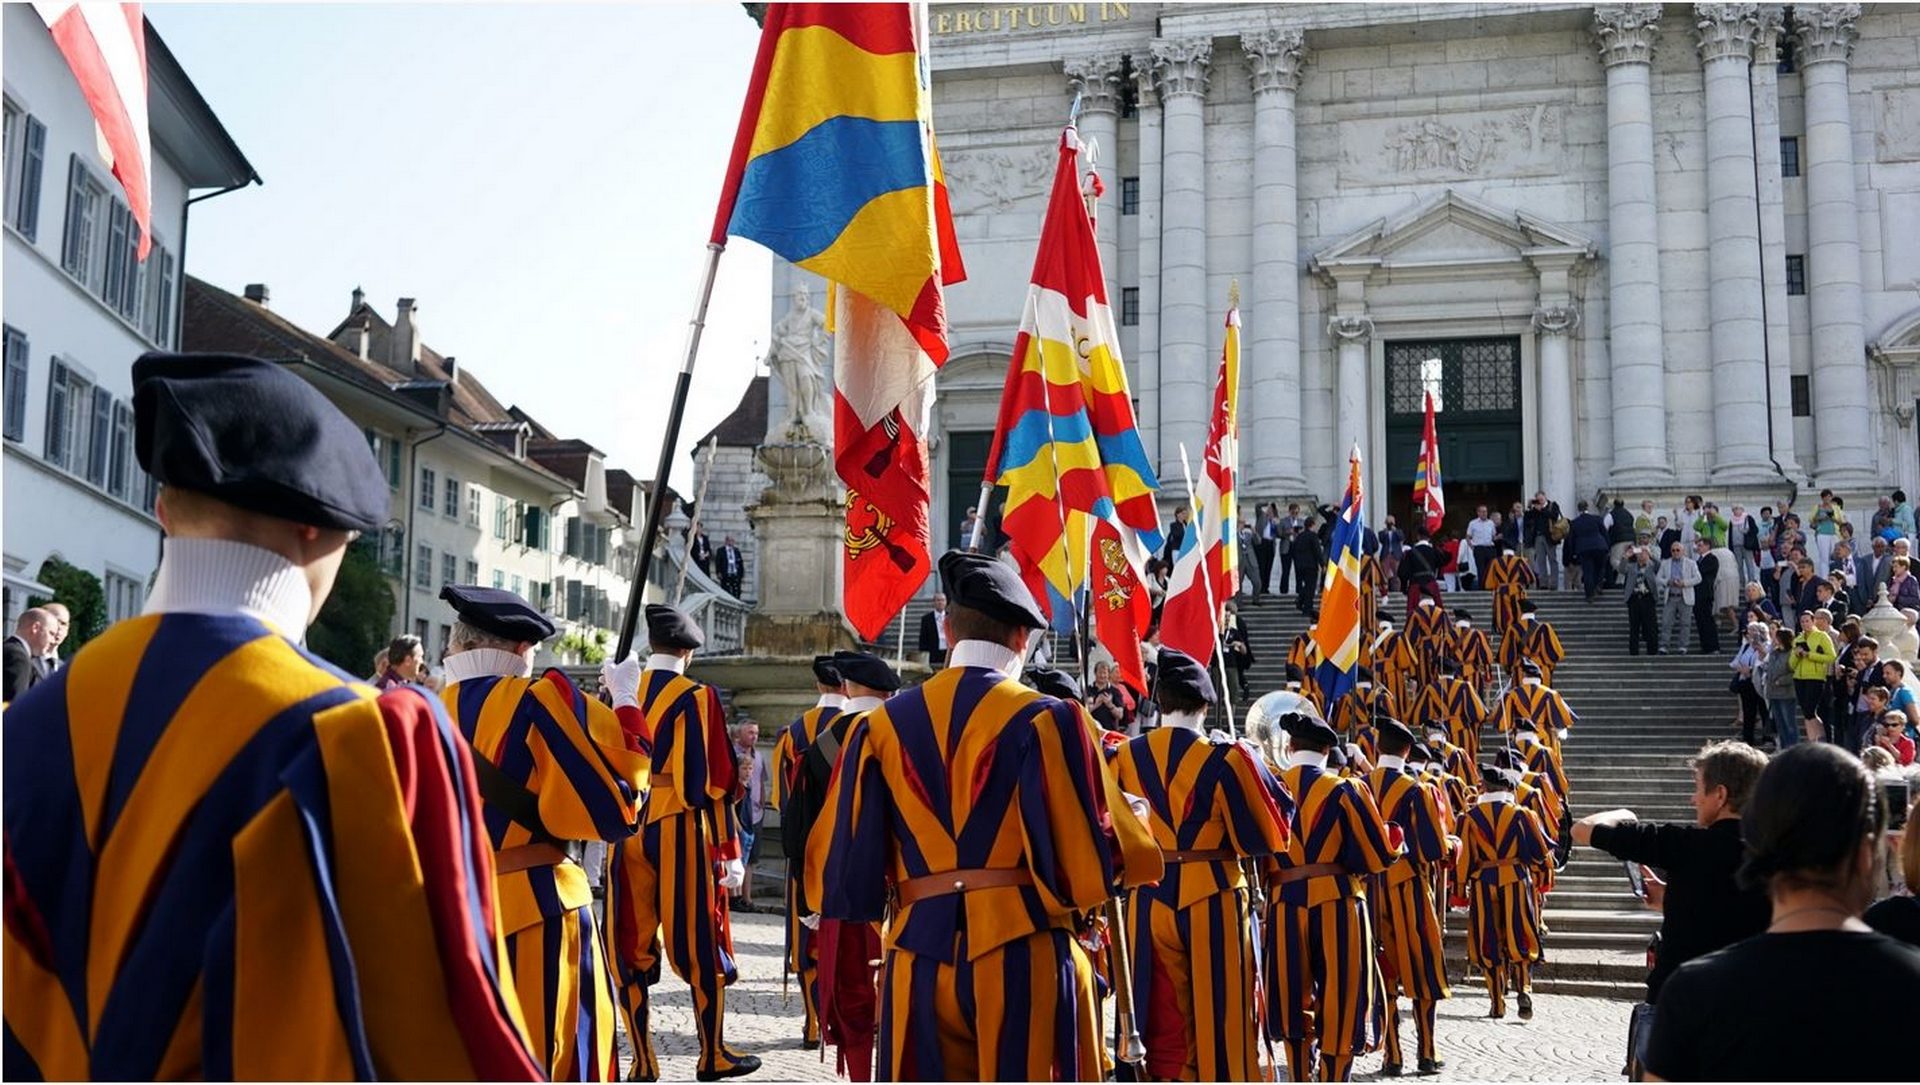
[1561,734]
[622,681]
[1140,808]
[1219,737]
[733,874]
[811,921]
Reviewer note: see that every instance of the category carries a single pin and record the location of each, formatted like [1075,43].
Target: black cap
[1420,752]
[1396,729]
[824,671]
[1529,669]
[1308,726]
[501,613]
[1053,682]
[1525,723]
[1463,614]
[1449,665]
[255,436]
[668,628]
[1363,673]
[985,584]
[1528,606]
[1496,774]
[866,669]
[1337,757]
[1295,673]
[1182,674]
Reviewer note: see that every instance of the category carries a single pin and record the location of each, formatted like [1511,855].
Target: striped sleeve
[1364,849]
[847,852]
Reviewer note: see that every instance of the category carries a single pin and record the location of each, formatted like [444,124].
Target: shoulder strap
[501,792]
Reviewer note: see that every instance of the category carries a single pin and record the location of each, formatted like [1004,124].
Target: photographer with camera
[1703,907]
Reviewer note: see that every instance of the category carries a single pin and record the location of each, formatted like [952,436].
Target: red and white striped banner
[106,46]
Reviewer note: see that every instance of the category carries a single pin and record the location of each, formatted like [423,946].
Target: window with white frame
[120,459]
[473,572]
[473,506]
[429,489]
[502,517]
[16,384]
[386,452]
[101,251]
[26,157]
[499,578]
[450,504]
[69,417]
[124,596]
[449,568]
[423,566]
[520,586]
[420,629]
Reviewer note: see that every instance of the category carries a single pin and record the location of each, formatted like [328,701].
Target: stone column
[1637,349]
[1272,435]
[1773,235]
[1352,335]
[1555,323]
[1842,429]
[1096,78]
[1147,222]
[1740,453]
[1181,68]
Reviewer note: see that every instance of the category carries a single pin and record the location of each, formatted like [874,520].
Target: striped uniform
[1532,642]
[1354,713]
[1305,654]
[581,769]
[1536,794]
[802,959]
[1500,844]
[1412,950]
[1452,703]
[1393,663]
[974,770]
[1508,578]
[1324,987]
[663,884]
[1539,703]
[226,859]
[1193,950]
[1475,655]
[1372,585]
[1456,774]
[1430,632]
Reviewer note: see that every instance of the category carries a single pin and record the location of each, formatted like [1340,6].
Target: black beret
[1295,673]
[1497,774]
[824,671]
[1528,606]
[255,436]
[985,584]
[1420,752]
[1396,729]
[1463,614]
[1337,758]
[1181,674]
[668,628]
[1449,665]
[1525,723]
[866,669]
[1530,669]
[1306,725]
[1363,673]
[498,612]
[1053,682]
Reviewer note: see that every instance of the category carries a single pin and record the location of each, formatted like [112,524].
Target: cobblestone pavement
[1569,1038]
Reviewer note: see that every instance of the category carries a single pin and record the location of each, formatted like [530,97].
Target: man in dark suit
[1704,622]
[933,632]
[32,636]
[703,553]
[732,566]
[1266,537]
[1308,556]
[1874,570]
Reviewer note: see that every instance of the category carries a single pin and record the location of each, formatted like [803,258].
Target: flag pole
[693,528]
[1206,585]
[656,508]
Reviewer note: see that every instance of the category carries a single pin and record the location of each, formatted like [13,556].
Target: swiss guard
[673,877]
[1413,954]
[226,859]
[1214,805]
[795,738]
[556,768]
[987,807]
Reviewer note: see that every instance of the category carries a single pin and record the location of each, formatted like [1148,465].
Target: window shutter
[33,160]
[111,284]
[574,594]
[57,416]
[534,523]
[16,388]
[73,251]
[573,536]
[122,450]
[165,335]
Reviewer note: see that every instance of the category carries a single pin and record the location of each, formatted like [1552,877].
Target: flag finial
[1233,294]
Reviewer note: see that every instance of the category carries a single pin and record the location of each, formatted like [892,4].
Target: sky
[540,177]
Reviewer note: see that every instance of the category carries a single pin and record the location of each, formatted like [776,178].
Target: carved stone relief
[998,179]
[1523,142]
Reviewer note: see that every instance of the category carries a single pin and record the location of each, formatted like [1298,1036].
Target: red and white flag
[1206,574]
[106,46]
[1429,494]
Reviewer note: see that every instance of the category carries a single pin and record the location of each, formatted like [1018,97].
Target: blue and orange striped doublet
[584,764]
[1430,631]
[1531,642]
[226,859]
[1355,714]
[1193,949]
[1508,578]
[802,957]
[973,770]
[1305,654]
[1372,585]
[663,889]
[1391,659]
[1452,704]
[1323,983]
[1474,654]
[1407,915]
[1500,845]
[1539,703]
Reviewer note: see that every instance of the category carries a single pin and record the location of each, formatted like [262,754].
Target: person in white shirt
[1480,536]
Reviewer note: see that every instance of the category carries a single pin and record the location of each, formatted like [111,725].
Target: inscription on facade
[966,19]
[1519,142]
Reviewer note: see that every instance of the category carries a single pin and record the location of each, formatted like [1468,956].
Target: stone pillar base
[806,635]
[801,524]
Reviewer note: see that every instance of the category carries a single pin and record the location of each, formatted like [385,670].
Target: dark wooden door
[1477,415]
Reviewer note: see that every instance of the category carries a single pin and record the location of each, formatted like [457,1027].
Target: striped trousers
[1323,985]
[566,996]
[1413,959]
[1193,979]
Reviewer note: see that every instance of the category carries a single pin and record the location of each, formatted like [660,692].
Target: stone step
[1559,939]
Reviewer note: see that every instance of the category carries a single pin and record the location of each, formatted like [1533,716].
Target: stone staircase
[1639,721]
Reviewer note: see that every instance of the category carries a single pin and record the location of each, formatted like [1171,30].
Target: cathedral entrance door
[966,462]
[1477,415]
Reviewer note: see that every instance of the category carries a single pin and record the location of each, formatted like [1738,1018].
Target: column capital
[1825,32]
[1556,319]
[1146,92]
[1182,66]
[1275,56]
[1627,32]
[1096,78]
[1726,31]
[1350,329]
[1766,44]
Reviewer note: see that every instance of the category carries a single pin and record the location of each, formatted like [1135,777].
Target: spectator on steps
[1539,535]
[1779,688]
[1749,679]
[1813,831]
[1813,656]
[1588,533]
[1680,585]
[1642,578]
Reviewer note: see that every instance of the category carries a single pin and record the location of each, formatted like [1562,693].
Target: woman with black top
[1813,837]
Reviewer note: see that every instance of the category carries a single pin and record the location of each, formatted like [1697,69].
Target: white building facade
[1647,249]
[79,308]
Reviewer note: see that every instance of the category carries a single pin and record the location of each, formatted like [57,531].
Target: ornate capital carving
[1182,66]
[1275,56]
[1096,78]
[1146,92]
[1726,31]
[1766,44]
[1556,319]
[1627,32]
[1350,329]
[1825,32]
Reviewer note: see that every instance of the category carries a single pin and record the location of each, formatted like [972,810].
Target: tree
[357,619]
[80,592]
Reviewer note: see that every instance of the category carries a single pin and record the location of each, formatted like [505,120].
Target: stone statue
[798,360]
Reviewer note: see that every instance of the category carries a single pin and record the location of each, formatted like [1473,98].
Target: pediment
[1451,227]
[1899,344]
